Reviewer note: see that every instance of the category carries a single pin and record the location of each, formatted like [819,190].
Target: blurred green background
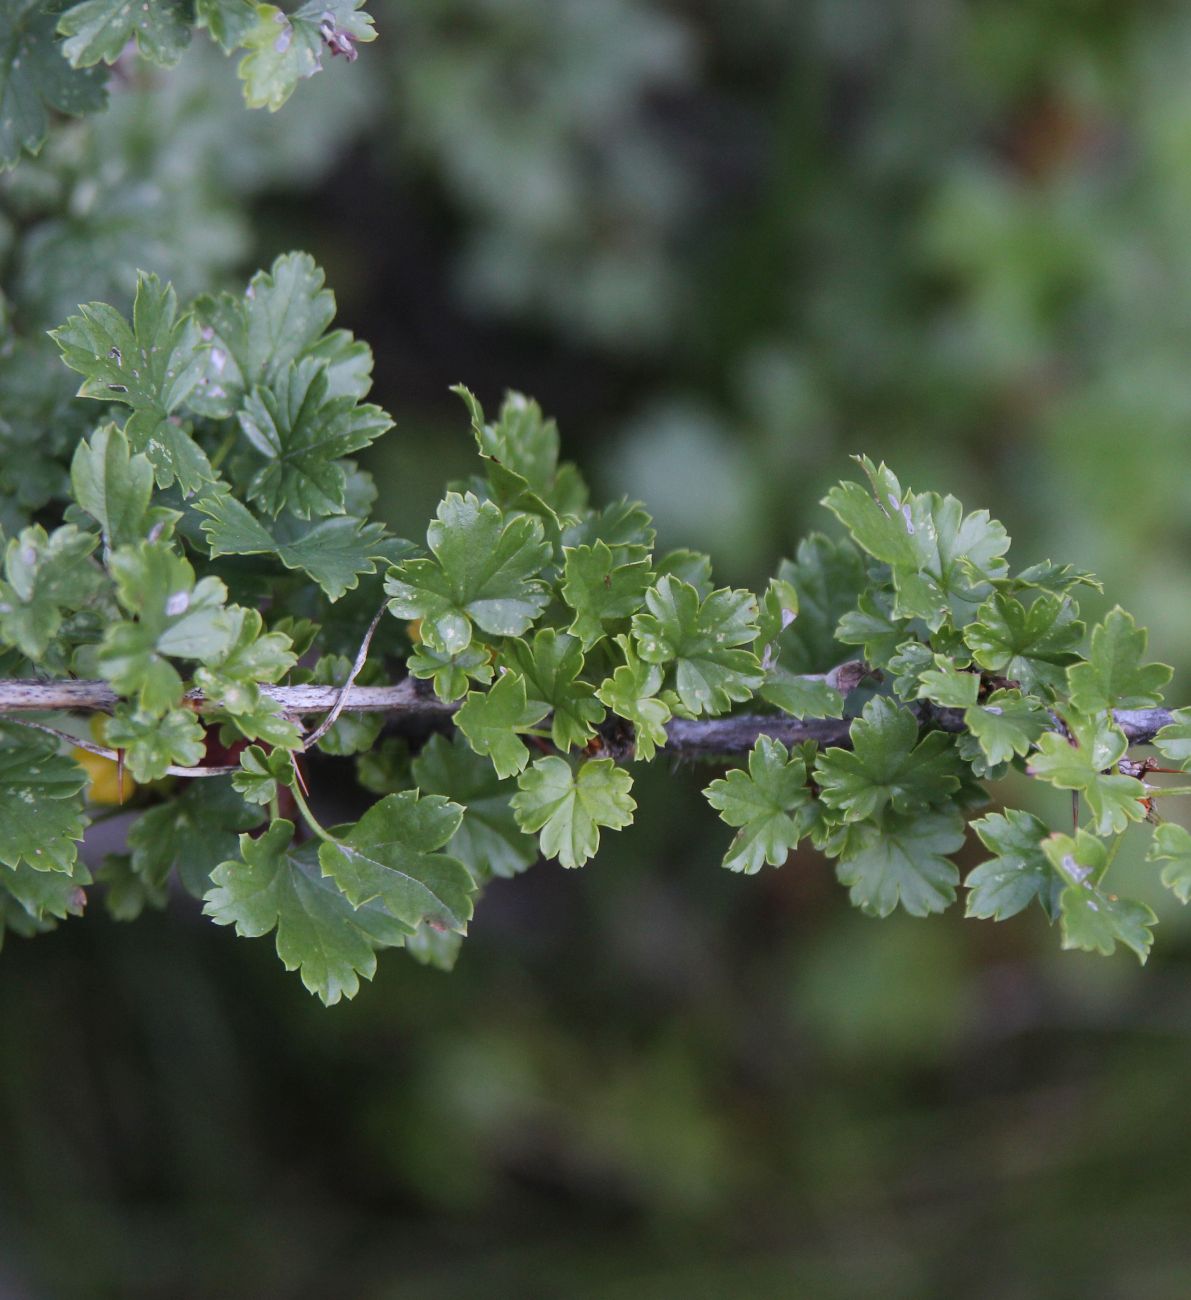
[727,246]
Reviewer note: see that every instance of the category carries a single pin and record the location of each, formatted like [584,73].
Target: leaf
[41,806]
[488,841]
[483,572]
[948,686]
[252,338]
[301,431]
[228,21]
[828,578]
[319,933]
[632,693]
[600,591]
[152,366]
[46,577]
[769,803]
[152,743]
[284,49]
[451,674]
[887,766]
[34,78]
[1018,872]
[1091,919]
[900,858]
[115,487]
[521,449]
[175,617]
[41,895]
[1082,764]
[334,551]
[907,666]
[260,773]
[191,833]
[490,721]
[1174,740]
[1172,844]
[1113,676]
[391,855]
[551,665]
[568,809]
[98,30]
[232,677]
[802,697]
[1007,723]
[698,637]
[1029,645]
[943,562]
[623,526]
[872,626]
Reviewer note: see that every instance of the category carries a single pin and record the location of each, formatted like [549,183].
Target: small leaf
[569,809]
[768,803]
[632,693]
[41,806]
[1018,873]
[284,49]
[1172,844]
[1174,740]
[1029,645]
[152,743]
[600,591]
[1083,764]
[98,30]
[260,773]
[1091,919]
[46,578]
[1007,723]
[948,686]
[900,858]
[551,665]
[491,720]
[1114,676]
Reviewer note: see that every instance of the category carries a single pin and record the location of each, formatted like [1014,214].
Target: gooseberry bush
[194,597]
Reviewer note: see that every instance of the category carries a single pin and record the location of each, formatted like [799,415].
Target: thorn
[301,779]
[120,775]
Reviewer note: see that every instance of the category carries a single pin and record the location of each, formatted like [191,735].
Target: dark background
[727,246]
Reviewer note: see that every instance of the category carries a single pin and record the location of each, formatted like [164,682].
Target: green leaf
[568,809]
[907,667]
[1114,676]
[152,743]
[802,697]
[632,693]
[1083,764]
[228,21]
[887,764]
[175,617]
[334,551]
[872,626]
[319,933]
[284,49]
[251,656]
[152,366]
[1172,844]
[392,855]
[1091,919]
[488,841]
[1029,645]
[943,561]
[115,487]
[98,30]
[900,858]
[1018,872]
[769,803]
[260,774]
[551,665]
[41,895]
[1007,723]
[451,674]
[623,526]
[252,338]
[1174,740]
[698,637]
[191,833]
[46,577]
[948,686]
[41,806]
[35,78]
[483,572]
[301,431]
[600,591]
[828,578]
[491,720]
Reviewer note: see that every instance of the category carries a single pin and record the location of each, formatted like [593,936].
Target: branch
[413,699]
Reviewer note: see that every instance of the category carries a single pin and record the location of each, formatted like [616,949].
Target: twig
[345,690]
[115,755]
[410,700]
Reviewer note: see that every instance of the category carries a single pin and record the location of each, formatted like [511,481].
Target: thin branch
[80,742]
[345,690]
[411,699]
